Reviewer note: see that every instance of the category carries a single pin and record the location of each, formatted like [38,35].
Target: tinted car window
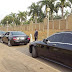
[18,33]
[7,33]
[2,32]
[56,38]
[67,38]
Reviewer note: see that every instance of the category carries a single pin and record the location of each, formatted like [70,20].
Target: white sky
[8,6]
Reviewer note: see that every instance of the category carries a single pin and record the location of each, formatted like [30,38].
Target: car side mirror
[45,41]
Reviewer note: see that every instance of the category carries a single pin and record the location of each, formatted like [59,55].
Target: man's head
[36,30]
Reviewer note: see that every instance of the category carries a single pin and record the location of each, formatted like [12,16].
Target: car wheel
[34,52]
[1,40]
[25,43]
[9,43]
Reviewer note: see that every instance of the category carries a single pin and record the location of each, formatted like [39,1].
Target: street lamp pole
[48,9]
[7,25]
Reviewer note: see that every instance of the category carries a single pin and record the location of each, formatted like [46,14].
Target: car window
[7,33]
[56,38]
[67,38]
[18,33]
[2,32]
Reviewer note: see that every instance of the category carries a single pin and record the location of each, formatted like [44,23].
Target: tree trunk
[51,16]
[62,12]
[35,19]
[46,10]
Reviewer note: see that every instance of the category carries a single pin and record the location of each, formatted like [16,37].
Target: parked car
[1,34]
[15,37]
[57,48]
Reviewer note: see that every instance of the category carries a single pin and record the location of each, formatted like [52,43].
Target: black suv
[57,47]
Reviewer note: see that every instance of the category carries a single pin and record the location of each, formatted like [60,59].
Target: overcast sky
[8,6]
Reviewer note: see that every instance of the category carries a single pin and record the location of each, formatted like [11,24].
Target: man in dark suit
[36,35]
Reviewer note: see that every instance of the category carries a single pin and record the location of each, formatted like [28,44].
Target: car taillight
[28,38]
[14,38]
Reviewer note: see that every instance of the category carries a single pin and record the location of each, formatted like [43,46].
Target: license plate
[22,38]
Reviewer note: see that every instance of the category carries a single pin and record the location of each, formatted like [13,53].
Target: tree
[47,3]
[66,14]
[70,1]
[7,18]
[11,18]
[22,16]
[13,15]
[56,8]
[35,11]
[71,5]
[63,4]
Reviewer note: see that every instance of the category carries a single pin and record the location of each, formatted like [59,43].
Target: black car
[15,38]
[57,48]
[1,34]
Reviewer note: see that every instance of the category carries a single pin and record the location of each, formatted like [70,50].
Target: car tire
[9,43]
[34,52]
[25,43]
[1,40]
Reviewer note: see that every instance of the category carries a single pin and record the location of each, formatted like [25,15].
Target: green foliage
[27,22]
[41,17]
[35,11]
[70,1]
[66,14]
[7,18]
[17,22]
[10,20]
[22,16]
[57,17]
[63,4]
[14,18]
[47,4]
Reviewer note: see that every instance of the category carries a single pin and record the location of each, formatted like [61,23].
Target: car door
[42,49]
[53,49]
[5,38]
[65,50]
[49,50]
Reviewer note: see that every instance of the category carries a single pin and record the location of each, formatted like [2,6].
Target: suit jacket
[36,34]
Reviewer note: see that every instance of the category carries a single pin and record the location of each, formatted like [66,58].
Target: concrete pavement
[12,60]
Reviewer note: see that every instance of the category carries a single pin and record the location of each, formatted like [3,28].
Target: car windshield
[18,33]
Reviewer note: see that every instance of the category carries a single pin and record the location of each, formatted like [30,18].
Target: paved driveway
[24,49]
[18,59]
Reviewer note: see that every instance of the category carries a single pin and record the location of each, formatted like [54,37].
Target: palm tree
[56,9]
[70,1]
[63,4]
[13,15]
[47,3]
[66,14]
[22,16]
[35,10]
[71,5]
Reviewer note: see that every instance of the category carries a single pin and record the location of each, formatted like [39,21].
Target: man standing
[36,35]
